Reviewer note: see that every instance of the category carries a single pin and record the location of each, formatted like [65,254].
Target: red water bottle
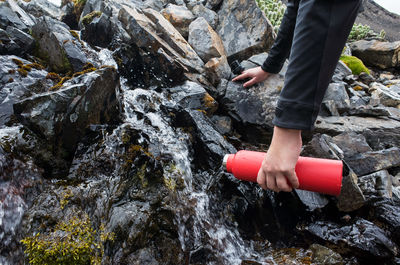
[314,174]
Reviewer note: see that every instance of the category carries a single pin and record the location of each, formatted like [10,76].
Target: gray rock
[24,40]
[152,32]
[217,69]
[207,14]
[351,143]
[62,116]
[193,96]
[98,32]
[213,145]
[312,200]
[377,53]
[180,17]
[254,107]
[363,238]
[16,87]
[325,256]
[341,71]
[337,125]
[244,29]
[376,184]
[388,96]
[336,92]
[387,213]
[369,162]
[9,18]
[57,46]
[369,111]
[204,40]
[40,8]
[222,123]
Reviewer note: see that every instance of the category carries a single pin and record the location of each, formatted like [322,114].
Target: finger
[292,178]
[271,183]
[241,76]
[261,180]
[282,184]
[250,82]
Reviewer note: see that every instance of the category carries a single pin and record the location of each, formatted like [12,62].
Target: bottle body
[314,174]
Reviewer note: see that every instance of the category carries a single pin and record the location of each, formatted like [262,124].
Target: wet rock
[18,84]
[151,32]
[366,78]
[212,4]
[61,117]
[58,46]
[180,17]
[336,92]
[204,40]
[222,123]
[68,16]
[98,32]
[377,53]
[40,8]
[351,197]
[369,111]
[376,184]
[312,200]
[388,96]
[12,15]
[387,214]
[209,145]
[362,238]
[325,256]
[369,162]
[244,29]
[209,15]
[193,96]
[16,181]
[24,40]
[217,69]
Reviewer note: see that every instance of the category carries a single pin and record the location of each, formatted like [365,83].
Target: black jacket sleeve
[281,49]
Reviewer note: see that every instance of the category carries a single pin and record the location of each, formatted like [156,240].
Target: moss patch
[60,84]
[356,65]
[72,242]
[86,20]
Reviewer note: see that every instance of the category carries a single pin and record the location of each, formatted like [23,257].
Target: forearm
[281,49]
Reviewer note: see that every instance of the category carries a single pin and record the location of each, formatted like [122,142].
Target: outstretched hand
[277,170]
[255,74]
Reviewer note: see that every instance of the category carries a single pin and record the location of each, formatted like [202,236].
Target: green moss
[355,64]
[75,34]
[11,71]
[72,242]
[86,20]
[78,7]
[65,198]
[36,66]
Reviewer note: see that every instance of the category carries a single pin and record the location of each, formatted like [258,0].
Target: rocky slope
[115,117]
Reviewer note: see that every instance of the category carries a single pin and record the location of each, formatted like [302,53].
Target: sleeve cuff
[292,115]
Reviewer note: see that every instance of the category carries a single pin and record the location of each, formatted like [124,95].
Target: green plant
[273,10]
[356,65]
[71,242]
[359,32]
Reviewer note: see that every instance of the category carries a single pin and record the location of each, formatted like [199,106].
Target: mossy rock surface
[355,64]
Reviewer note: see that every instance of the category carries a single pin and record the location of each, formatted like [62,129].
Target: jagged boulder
[12,15]
[211,16]
[61,117]
[180,17]
[19,79]
[377,53]
[98,31]
[15,41]
[57,46]
[388,96]
[217,69]
[150,31]
[244,29]
[365,239]
[204,40]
